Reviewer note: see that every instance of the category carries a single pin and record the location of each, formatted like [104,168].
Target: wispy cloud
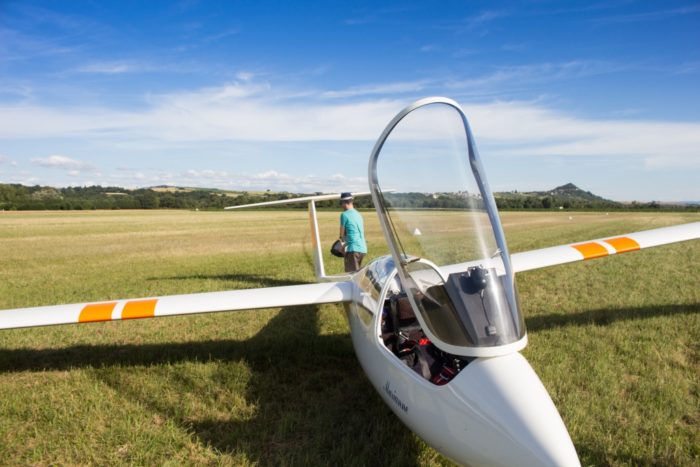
[538,72]
[15,91]
[220,35]
[480,22]
[23,178]
[16,46]
[360,20]
[224,179]
[7,161]
[364,16]
[656,15]
[688,68]
[310,183]
[112,68]
[515,47]
[58,37]
[378,89]
[63,21]
[245,75]
[62,163]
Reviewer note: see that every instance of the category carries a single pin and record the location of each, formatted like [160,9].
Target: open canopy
[442,227]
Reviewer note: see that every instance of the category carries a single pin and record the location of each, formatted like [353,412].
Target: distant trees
[20,197]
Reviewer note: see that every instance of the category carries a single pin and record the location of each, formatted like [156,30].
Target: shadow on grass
[253,279]
[592,455]
[312,403]
[606,316]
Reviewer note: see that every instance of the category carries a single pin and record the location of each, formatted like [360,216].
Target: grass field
[615,341]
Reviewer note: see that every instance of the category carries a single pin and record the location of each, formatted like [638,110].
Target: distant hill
[20,197]
[567,196]
[571,191]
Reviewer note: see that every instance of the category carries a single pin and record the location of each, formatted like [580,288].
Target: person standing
[352,230]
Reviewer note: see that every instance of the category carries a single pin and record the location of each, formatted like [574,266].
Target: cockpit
[442,227]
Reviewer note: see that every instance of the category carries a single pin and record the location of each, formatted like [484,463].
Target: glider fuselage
[494,412]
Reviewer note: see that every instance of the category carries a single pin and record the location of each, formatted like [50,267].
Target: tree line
[21,197]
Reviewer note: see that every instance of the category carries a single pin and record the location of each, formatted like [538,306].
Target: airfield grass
[615,341]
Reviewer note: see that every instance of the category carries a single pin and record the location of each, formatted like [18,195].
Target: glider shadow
[605,316]
[306,398]
[253,280]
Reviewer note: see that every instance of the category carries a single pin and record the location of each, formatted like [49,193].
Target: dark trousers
[353,261]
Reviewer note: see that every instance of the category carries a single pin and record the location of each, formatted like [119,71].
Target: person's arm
[342,227]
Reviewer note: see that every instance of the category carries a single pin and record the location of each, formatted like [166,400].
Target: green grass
[615,341]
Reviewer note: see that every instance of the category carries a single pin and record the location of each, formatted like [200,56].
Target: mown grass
[615,341]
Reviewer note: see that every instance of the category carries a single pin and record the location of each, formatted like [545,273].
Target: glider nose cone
[523,427]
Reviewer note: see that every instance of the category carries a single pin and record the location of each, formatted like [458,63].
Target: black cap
[346,196]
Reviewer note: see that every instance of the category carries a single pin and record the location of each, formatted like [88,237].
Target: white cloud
[270,179]
[536,73]
[109,68]
[307,183]
[207,174]
[522,129]
[259,112]
[484,17]
[656,15]
[15,90]
[245,75]
[73,166]
[232,112]
[375,89]
[515,47]
[220,35]
[253,181]
[360,20]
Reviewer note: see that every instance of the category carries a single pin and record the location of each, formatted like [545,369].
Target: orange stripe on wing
[623,244]
[139,309]
[96,312]
[591,250]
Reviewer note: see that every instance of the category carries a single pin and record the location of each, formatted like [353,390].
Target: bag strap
[394,313]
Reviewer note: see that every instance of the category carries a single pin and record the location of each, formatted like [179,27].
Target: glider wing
[602,247]
[235,300]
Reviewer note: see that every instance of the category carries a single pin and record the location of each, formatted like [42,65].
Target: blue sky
[291,96]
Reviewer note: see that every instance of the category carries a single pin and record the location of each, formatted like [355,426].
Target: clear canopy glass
[444,232]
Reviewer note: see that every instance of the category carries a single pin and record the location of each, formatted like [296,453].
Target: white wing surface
[601,247]
[296,200]
[235,300]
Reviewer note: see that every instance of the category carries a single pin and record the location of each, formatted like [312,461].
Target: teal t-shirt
[351,220]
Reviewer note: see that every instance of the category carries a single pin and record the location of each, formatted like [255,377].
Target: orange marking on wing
[139,309]
[591,250]
[623,244]
[96,312]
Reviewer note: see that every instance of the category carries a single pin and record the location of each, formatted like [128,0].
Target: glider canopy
[443,230]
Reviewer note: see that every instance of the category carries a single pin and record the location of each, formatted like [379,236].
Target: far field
[615,341]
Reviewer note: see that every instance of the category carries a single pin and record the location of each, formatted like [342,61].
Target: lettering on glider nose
[394,398]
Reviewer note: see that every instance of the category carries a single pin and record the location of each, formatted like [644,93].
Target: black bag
[338,248]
